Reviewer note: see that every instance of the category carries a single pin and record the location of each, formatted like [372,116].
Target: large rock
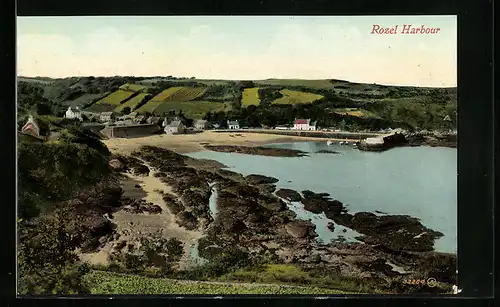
[260,179]
[298,229]
[289,195]
[116,165]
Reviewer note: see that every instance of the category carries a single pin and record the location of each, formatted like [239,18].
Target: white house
[174,127]
[74,112]
[233,124]
[304,124]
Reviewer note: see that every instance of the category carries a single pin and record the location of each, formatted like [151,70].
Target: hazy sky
[240,47]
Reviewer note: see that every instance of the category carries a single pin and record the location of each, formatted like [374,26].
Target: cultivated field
[185,94]
[250,97]
[150,106]
[296,97]
[192,109]
[318,84]
[116,98]
[132,87]
[132,103]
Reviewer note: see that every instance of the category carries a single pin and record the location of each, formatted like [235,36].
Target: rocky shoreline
[251,218]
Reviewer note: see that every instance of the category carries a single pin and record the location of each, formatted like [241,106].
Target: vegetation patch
[296,97]
[116,98]
[112,283]
[355,112]
[250,97]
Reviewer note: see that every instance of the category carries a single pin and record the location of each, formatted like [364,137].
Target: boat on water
[329,143]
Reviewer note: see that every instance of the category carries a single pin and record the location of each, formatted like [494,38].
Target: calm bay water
[416,181]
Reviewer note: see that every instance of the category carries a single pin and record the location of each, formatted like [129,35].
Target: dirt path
[131,227]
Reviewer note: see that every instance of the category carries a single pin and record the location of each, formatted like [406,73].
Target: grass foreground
[113,283]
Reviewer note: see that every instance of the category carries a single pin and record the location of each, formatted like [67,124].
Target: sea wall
[130,131]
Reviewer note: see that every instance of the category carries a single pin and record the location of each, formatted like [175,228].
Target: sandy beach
[186,143]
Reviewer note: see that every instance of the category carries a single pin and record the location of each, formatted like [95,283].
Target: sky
[240,48]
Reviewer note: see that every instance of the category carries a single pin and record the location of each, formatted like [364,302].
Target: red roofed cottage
[31,127]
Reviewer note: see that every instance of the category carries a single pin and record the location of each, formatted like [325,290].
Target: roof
[301,122]
[232,122]
[153,119]
[200,121]
[106,113]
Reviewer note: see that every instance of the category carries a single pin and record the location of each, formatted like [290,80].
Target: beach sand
[186,143]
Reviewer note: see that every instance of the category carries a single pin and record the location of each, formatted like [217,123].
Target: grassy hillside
[338,103]
[296,97]
[250,97]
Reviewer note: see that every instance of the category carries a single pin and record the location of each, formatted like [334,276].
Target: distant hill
[331,102]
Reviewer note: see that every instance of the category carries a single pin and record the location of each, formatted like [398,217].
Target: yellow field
[132,103]
[116,98]
[296,97]
[356,112]
[250,97]
[132,87]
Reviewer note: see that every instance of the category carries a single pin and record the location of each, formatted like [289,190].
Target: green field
[132,87]
[116,98]
[192,109]
[111,283]
[296,97]
[250,97]
[132,103]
